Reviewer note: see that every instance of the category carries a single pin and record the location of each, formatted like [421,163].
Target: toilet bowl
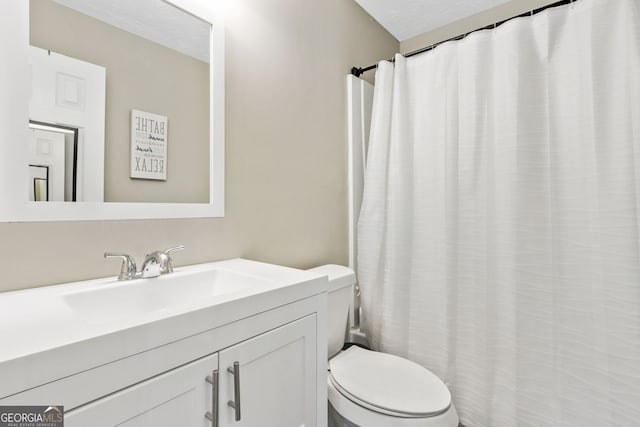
[373,389]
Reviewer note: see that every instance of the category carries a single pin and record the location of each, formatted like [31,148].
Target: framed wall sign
[148,145]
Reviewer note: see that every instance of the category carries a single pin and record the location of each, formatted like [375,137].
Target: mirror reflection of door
[67,93]
[53,153]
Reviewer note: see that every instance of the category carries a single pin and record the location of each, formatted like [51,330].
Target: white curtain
[499,238]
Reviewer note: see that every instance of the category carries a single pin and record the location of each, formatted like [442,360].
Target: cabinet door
[277,378]
[180,397]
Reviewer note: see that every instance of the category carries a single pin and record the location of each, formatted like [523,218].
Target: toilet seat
[361,416]
[388,384]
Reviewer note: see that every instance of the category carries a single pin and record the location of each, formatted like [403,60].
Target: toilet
[372,389]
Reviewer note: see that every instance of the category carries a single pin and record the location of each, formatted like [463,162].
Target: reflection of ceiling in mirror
[153,20]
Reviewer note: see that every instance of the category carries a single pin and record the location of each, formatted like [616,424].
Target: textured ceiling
[408,18]
[153,20]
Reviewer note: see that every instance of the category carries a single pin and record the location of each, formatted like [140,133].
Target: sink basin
[139,297]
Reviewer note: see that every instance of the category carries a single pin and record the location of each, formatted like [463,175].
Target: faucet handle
[128,270]
[175,248]
[169,266]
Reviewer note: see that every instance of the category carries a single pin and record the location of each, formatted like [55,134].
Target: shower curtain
[499,237]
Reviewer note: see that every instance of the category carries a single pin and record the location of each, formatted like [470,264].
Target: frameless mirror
[125,115]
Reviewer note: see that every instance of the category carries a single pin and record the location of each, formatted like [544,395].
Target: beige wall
[286,172]
[488,17]
[140,75]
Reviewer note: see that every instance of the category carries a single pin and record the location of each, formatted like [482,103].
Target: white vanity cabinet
[277,387]
[262,343]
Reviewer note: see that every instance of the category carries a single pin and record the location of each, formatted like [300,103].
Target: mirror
[156,149]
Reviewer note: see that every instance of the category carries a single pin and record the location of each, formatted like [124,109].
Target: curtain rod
[358,71]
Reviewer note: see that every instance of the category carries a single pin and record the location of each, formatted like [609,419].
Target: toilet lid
[388,384]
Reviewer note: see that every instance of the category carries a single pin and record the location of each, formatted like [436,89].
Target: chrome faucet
[158,262]
[128,270]
[155,264]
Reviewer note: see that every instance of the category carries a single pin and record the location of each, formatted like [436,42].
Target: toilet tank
[340,301]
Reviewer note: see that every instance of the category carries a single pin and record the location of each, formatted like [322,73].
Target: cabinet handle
[235,371]
[213,415]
